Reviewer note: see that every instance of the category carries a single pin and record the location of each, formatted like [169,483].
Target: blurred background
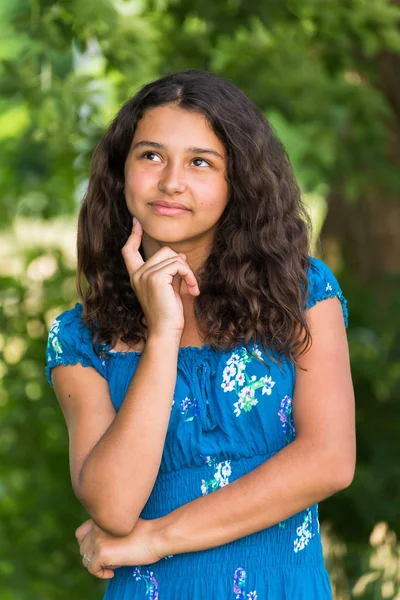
[327,75]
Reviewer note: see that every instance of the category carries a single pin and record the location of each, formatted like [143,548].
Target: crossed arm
[318,463]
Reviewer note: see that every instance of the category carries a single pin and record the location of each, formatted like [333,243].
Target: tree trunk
[366,232]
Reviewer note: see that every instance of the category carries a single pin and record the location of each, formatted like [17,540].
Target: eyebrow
[193,150]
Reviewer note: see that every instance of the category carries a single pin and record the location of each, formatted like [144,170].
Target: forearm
[295,478]
[118,475]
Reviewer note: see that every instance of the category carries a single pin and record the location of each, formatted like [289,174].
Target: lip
[169,204]
[174,208]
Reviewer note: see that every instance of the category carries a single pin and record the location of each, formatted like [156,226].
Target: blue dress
[229,414]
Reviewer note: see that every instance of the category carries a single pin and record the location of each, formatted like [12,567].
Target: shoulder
[69,327]
[70,341]
[322,285]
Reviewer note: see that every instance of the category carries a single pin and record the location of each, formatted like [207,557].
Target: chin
[167,231]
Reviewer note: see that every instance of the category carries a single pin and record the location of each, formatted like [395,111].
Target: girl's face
[176,157]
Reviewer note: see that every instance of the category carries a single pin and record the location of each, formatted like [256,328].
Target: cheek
[137,183]
[213,196]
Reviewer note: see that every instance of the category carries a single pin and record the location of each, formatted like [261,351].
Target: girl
[205,377]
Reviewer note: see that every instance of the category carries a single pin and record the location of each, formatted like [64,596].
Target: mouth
[169,204]
[174,208]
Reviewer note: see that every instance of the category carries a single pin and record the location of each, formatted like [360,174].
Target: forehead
[177,128]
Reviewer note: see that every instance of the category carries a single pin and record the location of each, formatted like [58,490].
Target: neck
[196,254]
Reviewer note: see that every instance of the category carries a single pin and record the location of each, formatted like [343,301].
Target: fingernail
[134,221]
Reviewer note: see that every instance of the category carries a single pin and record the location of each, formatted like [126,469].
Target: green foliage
[39,556]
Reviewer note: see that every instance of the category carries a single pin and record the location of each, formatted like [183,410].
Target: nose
[172,180]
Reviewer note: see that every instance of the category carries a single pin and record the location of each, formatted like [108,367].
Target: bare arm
[115,458]
[318,463]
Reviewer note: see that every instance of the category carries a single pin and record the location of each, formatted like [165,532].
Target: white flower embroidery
[229,371]
[226,469]
[53,339]
[328,288]
[189,409]
[239,586]
[237,410]
[229,386]
[247,393]
[304,532]
[246,400]
[240,379]
[235,377]
[268,385]
[233,358]
[55,327]
[221,475]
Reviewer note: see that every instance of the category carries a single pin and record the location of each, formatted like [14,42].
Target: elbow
[113,521]
[344,478]
[114,525]
[342,473]
[116,520]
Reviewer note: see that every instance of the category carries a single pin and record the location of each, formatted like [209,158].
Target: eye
[151,156]
[201,160]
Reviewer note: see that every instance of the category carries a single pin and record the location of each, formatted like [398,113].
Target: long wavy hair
[254,283]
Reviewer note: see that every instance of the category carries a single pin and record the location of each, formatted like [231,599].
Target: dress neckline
[182,350]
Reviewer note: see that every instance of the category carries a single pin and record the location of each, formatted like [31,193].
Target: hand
[157,282]
[107,552]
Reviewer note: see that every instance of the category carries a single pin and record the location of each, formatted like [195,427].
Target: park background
[327,75]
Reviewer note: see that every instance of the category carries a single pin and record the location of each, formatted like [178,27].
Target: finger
[158,257]
[130,252]
[177,280]
[86,546]
[83,530]
[158,266]
[85,563]
[176,283]
[98,568]
[102,573]
[105,574]
[173,267]
[189,277]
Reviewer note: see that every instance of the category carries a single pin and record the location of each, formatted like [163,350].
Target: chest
[224,404]
[190,337]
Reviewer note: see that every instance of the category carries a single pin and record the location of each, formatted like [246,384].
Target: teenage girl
[204,377]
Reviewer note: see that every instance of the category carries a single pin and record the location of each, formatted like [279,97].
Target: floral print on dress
[53,343]
[222,473]
[104,365]
[304,532]
[285,416]
[235,379]
[189,409]
[317,517]
[239,586]
[150,581]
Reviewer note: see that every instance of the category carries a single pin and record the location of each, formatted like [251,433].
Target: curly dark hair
[254,283]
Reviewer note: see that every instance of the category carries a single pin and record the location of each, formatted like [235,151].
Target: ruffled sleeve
[70,342]
[323,284]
